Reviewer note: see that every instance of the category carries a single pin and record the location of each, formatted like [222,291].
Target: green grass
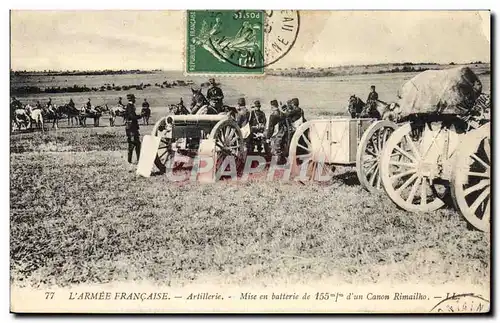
[78,216]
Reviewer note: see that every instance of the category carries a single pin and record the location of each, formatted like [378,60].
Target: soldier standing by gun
[257,123]
[277,128]
[132,128]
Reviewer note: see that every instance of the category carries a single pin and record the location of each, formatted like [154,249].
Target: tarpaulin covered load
[450,91]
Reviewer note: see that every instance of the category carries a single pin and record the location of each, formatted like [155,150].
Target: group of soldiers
[270,135]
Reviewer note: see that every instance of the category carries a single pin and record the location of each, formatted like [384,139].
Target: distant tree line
[75,72]
[106,87]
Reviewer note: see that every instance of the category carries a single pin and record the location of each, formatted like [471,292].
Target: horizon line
[281,68]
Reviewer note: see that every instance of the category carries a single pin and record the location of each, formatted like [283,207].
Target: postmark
[462,303]
[239,41]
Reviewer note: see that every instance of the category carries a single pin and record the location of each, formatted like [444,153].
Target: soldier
[277,129]
[38,105]
[16,104]
[49,103]
[373,95]
[120,102]
[215,93]
[371,101]
[132,128]
[71,104]
[145,112]
[295,112]
[257,121]
[243,114]
[88,106]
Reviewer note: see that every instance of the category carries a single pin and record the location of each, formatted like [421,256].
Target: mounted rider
[257,121]
[88,106]
[215,93]
[16,104]
[371,101]
[120,102]
[71,104]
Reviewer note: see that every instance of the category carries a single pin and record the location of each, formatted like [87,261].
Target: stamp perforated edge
[208,74]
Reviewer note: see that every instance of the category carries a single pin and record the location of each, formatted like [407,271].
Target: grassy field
[78,216]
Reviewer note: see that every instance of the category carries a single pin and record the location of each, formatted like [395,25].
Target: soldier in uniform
[257,122]
[295,112]
[88,106]
[120,102]
[373,95]
[242,113]
[71,104]
[145,112]
[132,128]
[371,101]
[277,129]
[215,93]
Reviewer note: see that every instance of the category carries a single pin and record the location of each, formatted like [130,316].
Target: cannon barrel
[194,118]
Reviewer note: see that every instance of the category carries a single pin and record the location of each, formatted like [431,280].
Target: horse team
[30,117]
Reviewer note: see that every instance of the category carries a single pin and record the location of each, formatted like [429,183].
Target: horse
[117,111]
[178,109]
[198,98]
[359,109]
[20,118]
[52,113]
[89,113]
[36,116]
[71,112]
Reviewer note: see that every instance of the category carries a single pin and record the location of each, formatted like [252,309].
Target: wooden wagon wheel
[408,170]
[301,150]
[228,142]
[369,152]
[471,179]
[165,152]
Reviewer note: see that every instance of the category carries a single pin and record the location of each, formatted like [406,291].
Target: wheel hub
[427,169]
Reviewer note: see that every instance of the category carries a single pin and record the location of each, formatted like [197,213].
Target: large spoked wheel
[228,142]
[302,152]
[410,167]
[471,181]
[369,152]
[300,148]
[165,154]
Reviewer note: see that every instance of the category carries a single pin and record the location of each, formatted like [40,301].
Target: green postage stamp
[230,41]
[238,41]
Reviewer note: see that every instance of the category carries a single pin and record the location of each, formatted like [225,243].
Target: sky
[95,40]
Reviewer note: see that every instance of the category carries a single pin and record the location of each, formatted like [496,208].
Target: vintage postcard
[250,161]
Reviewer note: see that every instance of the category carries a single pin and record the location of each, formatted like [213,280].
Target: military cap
[274,103]
[241,101]
[295,101]
[130,96]
[256,102]
[373,86]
